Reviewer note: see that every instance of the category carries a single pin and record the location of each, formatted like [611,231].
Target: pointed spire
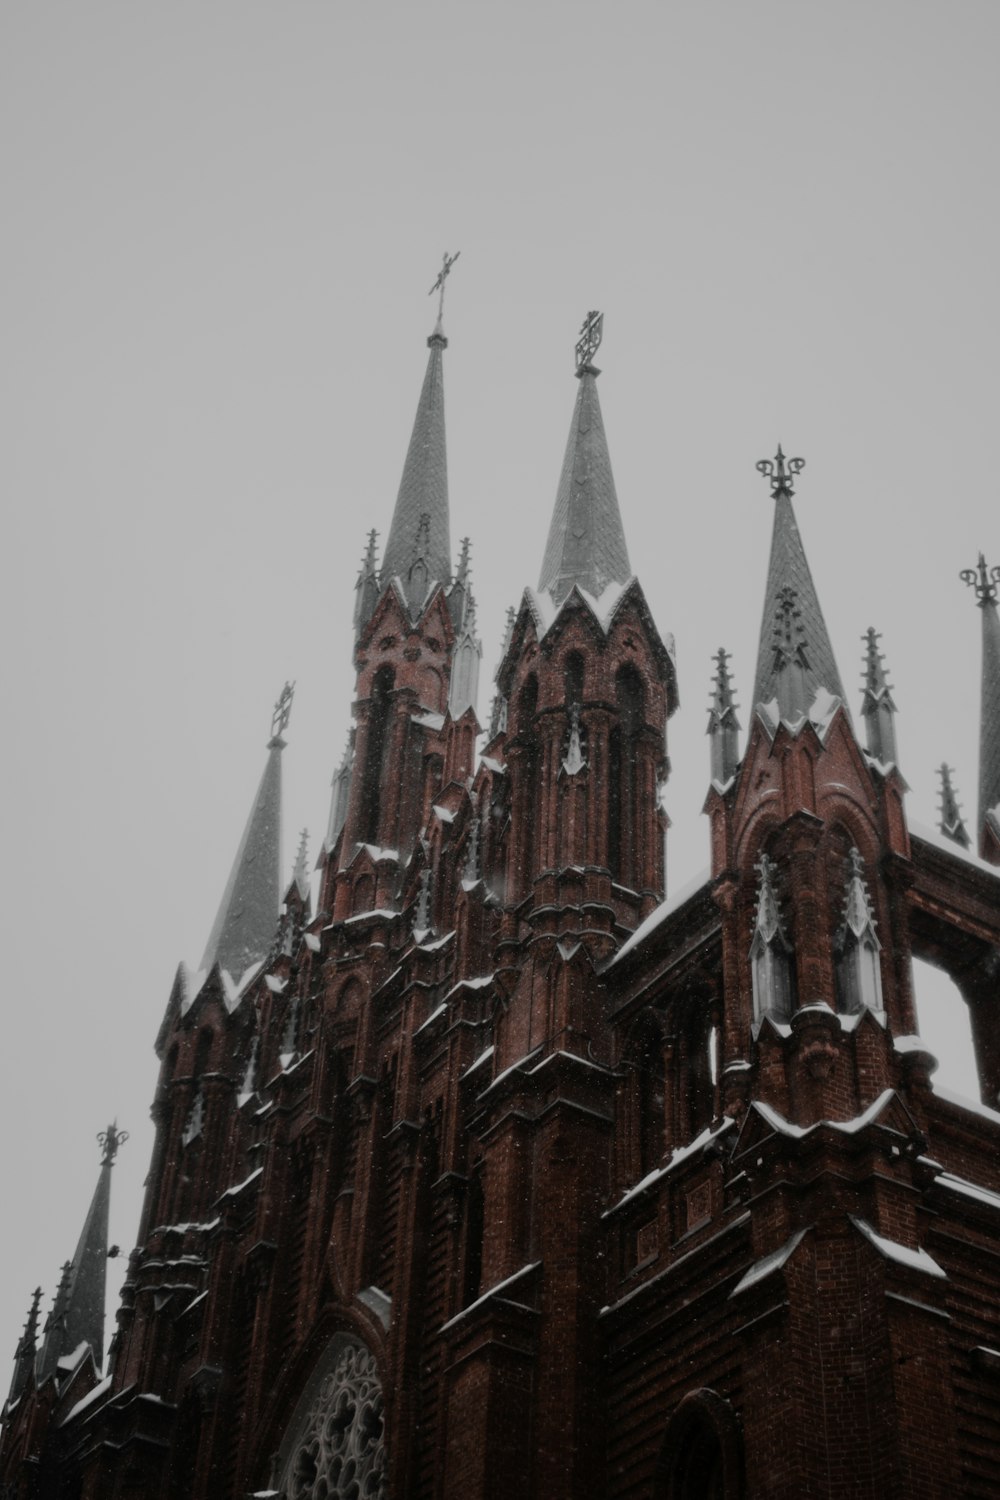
[26,1351]
[463,688]
[300,872]
[877,708]
[77,1315]
[770,950]
[418,549]
[248,912]
[859,976]
[950,820]
[723,725]
[986,582]
[422,915]
[586,545]
[367,586]
[793,667]
[341,785]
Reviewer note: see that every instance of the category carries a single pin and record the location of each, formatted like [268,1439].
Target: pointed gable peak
[794,657]
[586,543]
[418,549]
[248,912]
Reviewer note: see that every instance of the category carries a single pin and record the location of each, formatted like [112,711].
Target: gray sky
[221,221]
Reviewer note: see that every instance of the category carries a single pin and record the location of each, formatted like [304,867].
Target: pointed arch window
[622,765]
[335,1445]
[856,946]
[771,957]
[378,743]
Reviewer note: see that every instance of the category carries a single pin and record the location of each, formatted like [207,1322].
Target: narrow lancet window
[859,970]
[378,738]
[770,951]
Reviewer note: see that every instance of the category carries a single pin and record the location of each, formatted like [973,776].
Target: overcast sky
[221,223]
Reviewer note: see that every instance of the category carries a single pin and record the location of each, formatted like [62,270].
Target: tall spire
[586,544]
[877,708]
[986,582]
[77,1315]
[418,549]
[248,912]
[793,668]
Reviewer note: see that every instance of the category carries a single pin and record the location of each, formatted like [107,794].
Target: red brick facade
[598,1217]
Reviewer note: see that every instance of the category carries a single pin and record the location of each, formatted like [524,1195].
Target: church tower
[502,1171]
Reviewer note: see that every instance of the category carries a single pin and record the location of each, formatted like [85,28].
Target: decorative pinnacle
[781,471]
[463,561]
[368,561]
[984,580]
[951,823]
[109,1141]
[591,334]
[447,261]
[722,684]
[300,871]
[281,715]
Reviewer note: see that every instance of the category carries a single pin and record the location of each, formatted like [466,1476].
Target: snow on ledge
[972,1105]
[100,1389]
[939,840]
[494,1291]
[916,1260]
[679,1155]
[848,1127]
[969,1189]
[769,1263]
[663,911]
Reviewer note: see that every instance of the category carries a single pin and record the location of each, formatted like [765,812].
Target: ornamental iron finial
[781,471]
[109,1141]
[282,713]
[447,261]
[984,580]
[591,334]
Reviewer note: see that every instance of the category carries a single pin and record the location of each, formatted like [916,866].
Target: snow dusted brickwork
[340,1451]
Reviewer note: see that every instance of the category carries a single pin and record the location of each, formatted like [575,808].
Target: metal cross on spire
[282,712]
[591,334]
[447,261]
[781,471]
[109,1141]
[985,581]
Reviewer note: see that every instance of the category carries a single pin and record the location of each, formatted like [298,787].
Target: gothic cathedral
[493,1173]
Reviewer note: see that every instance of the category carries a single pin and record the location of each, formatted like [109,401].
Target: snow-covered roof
[662,912]
[903,1255]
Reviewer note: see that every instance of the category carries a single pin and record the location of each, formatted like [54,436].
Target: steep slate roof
[586,544]
[789,569]
[248,912]
[423,489]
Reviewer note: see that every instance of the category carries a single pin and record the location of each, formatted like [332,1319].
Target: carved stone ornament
[339,1451]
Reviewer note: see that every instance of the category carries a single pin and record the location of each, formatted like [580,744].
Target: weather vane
[984,580]
[447,261]
[109,1141]
[591,333]
[781,471]
[282,711]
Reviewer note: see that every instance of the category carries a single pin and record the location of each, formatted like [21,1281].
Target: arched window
[702,1457]
[630,702]
[573,670]
[645,1111]
[378,744]
[335,1443]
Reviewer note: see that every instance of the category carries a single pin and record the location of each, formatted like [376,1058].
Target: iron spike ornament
[985,581]
[282,713]
[447,261]
[591,334]
[781,471]
[109,1141]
